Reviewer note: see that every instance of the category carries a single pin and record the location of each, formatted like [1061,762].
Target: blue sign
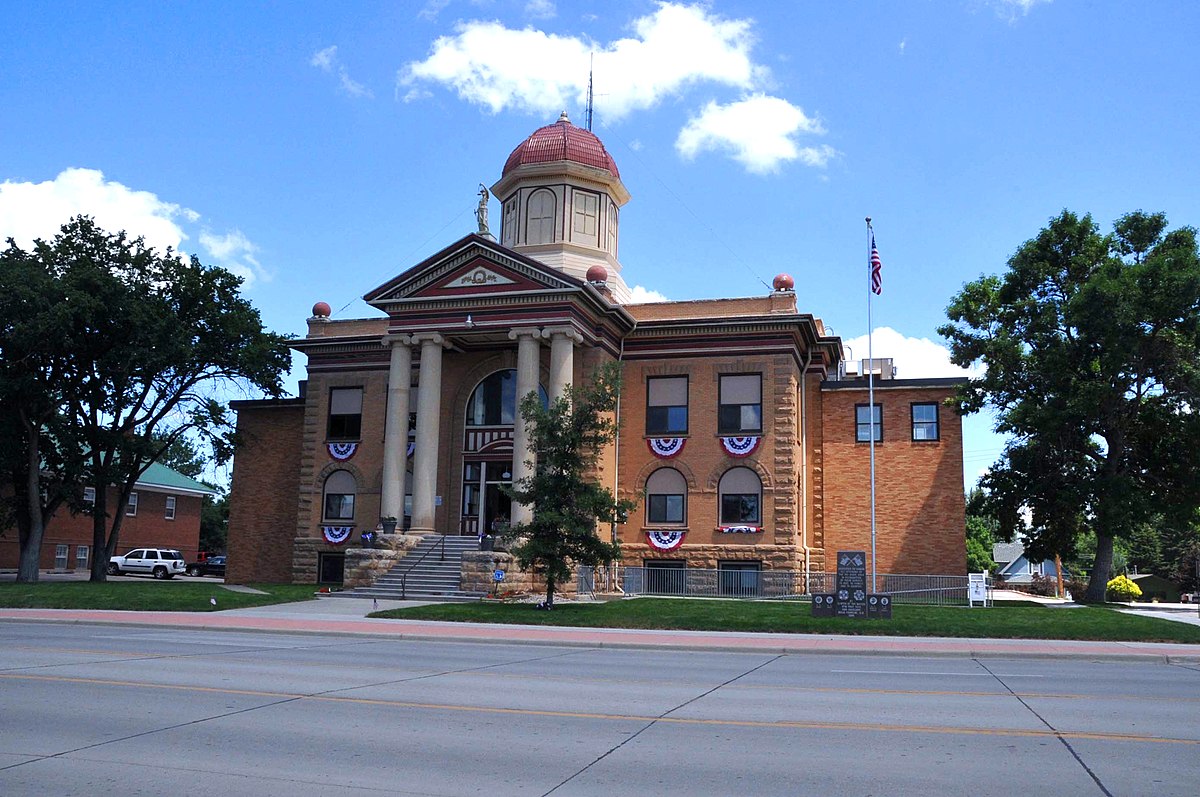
[498,575]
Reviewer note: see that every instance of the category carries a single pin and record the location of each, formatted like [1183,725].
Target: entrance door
[485,506]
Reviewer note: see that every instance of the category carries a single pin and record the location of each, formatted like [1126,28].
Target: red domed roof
[562,141]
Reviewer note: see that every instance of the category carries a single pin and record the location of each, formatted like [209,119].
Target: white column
[429,409]
[395,440]
[528,363]
[562,358]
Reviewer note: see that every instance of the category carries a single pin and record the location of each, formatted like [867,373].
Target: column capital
[521,332]
[571,333]
[392,338]
[435,338]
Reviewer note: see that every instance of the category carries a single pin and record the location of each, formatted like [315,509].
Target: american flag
[876,269]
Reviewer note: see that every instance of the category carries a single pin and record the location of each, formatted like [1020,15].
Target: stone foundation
[365,565]
[478,567]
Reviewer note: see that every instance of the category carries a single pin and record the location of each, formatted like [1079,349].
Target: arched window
[339,496]
[494,401]
[741,497]
[666,497]
[539,218]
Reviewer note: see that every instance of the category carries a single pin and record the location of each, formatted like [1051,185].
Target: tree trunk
[100,552]
[549,591]
[1098,584]
[30,538]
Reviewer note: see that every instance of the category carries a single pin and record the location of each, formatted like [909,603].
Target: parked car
[158,562]
[212,566]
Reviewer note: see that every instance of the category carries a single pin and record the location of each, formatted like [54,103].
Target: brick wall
[920,524]
[149,528]
[262,500]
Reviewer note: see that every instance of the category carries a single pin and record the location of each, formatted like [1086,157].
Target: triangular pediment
[473,266]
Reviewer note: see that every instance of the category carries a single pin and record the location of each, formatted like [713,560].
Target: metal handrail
[439,546]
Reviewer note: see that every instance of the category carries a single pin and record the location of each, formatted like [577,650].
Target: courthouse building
[744,435]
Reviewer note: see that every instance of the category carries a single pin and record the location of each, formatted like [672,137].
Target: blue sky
[321,148]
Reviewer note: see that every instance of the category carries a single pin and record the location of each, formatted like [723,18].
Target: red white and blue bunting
[666,539]
[665,447]
[740,446]
[336,534]
[342,451]
[740,529]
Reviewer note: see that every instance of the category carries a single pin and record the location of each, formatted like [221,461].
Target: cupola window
[539,226]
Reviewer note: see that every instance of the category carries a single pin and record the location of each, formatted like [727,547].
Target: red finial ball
[783,282]
[321,310]
[597,274]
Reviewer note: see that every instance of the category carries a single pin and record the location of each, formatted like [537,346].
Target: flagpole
[871,393]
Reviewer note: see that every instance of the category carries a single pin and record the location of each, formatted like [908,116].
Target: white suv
[158,562]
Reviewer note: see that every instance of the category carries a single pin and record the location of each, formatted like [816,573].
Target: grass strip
[1018,622]
[146,596]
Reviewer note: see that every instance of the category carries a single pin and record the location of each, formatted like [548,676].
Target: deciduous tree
[567,500]
[1091,345]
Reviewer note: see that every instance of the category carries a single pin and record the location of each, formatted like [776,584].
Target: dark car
[212,566]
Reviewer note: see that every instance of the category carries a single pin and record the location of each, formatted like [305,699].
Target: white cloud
[759,132]
[540,9]
[500,68]
[1011,9]
[914,358]
[903,45]
[327,61]
[37,210]
[641,295]
[431,9]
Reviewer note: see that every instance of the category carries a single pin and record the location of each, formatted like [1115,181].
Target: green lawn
[1017,622]
[153,596]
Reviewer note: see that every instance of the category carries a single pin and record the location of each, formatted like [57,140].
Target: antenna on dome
[591,64]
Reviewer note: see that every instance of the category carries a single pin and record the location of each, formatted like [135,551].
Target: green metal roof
[159,475]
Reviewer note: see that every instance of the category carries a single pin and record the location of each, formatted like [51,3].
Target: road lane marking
[587,715]
[924,672]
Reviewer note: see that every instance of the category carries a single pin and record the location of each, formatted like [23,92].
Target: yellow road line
[586,715]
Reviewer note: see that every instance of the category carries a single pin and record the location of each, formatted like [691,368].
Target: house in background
[163,512]
[1156,588]
[1016,568]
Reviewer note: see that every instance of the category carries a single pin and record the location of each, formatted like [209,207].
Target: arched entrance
[487,452]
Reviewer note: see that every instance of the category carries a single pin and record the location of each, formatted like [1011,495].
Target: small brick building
[741,439]
[163,512]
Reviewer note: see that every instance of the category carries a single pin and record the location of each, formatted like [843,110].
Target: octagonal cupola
[560,198]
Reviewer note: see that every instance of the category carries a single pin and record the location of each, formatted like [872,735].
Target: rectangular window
[667,405]
[741,579]
[863,418]
[587,210]
[665,576]
[665,509]
[737,509]
[924,421]
[170,513]
[131,507]
[60,557]
[740,404]
[81,557]
[339,506]
[330,568]
[345,413]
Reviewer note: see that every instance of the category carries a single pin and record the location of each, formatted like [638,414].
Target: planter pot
[486,543]
[389,525]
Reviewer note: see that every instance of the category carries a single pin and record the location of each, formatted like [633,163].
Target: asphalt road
[91,710]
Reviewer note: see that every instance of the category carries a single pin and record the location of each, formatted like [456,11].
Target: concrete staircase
[429,575]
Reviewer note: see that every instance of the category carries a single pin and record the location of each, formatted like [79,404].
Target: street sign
[497,575]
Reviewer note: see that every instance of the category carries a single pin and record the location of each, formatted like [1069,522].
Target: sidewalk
[346,616]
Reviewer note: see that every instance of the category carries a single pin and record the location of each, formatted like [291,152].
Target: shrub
[1078,589]
[1043,585]
[1122,589]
